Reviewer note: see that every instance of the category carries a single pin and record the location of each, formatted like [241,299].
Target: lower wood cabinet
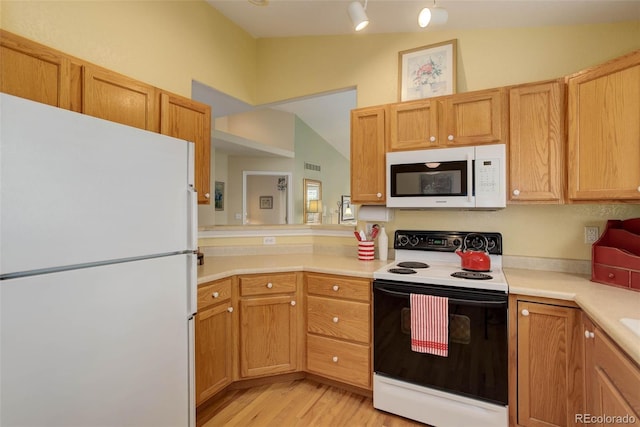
[612,381]
[546,358]
[269,319]
[214,343]
[339,328]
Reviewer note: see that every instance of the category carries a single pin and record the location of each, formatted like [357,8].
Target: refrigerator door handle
[192,284]
[192,237]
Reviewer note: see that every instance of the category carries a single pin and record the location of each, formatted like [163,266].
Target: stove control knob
[492,243]
[456,242]
[403,240]
[414,240]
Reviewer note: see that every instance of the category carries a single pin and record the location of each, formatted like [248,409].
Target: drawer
[344,362]
[611,275]
[213,293]
[339,287]
[340,319]
[268,284]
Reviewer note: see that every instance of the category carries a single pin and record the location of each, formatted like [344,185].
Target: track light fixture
[434,15]
[358,15]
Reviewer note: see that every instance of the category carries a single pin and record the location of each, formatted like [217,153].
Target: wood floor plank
[299,403]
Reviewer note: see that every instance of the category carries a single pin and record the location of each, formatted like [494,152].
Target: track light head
[433,15]
[358,15]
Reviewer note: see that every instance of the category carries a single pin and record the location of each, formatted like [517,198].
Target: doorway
[266,198]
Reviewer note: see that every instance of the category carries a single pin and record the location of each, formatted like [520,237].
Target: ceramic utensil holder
[366,250]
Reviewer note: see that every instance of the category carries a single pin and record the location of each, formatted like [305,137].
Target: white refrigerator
[98,232]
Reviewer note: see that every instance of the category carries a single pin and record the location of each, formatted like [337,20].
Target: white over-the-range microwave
[461,177]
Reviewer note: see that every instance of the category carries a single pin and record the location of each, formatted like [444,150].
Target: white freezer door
[100,346]
[75,189]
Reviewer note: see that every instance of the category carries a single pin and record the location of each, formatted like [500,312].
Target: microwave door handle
[469,178]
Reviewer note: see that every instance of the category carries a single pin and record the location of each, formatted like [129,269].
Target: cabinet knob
[589,334]
[335,319]
[230,309]
[293,303]
[516,192]
[450,137]
[215,295]
[335,359]
[207,195]
[432,139]
[336,287]
[611,275]
[525,312]
[378,195]
[638,189]
[269,285]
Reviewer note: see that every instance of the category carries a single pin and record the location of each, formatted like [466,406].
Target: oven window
[476,365]
[429,179]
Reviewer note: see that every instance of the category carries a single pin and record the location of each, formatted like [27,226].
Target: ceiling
[328,114]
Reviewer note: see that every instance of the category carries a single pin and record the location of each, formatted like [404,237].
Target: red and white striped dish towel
[430,324]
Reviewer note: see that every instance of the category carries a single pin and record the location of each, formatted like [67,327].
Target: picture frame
[427,71]
[346,209]
[218,194]
[266,202]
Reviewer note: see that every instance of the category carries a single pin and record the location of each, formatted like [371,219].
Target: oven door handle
[453,300]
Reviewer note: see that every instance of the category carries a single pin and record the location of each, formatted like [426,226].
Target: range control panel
[448,241]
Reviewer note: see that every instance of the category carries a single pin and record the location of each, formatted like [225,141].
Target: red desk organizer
[615,256]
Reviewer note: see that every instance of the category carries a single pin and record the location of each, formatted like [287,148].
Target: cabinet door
[190,120]
[119,99]
[611,379]
[268,335]
[32,71]
[413,125]
[213,351]
[536,142]
[550,372]
[368,163]
[474,118]
[604,130]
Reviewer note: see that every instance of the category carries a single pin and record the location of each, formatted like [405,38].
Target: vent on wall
[311,167]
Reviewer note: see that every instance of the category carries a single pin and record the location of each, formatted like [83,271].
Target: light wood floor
[300,403]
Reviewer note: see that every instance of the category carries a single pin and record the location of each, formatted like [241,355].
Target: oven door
[476,365]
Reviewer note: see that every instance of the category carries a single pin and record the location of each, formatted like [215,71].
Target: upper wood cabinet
[31,71]
[474,118]
[413,125]
[118,98]
[368,162]
[190,120]
[547,350]
[604,132]
[463,119]
[536,142]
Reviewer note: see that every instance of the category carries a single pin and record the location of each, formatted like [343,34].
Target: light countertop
[605,305]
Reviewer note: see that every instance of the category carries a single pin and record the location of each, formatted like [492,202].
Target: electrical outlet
[591,234]
[269,240]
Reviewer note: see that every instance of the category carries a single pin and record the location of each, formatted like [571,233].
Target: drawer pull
[293,303]
[230,309]
[588,334]
[215,295]
[336,288]
[611,275]
[525,312]
[269,285]
[335,359]
[335,319]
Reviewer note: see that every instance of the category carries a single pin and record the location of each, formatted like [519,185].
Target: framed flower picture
[427,71]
